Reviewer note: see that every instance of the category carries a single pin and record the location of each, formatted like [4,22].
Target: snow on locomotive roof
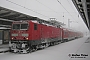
[41,21]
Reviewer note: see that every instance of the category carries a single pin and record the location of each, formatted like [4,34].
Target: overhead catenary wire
[72,7]
[46,6]
[36,11]
[49,7]
[26,8]
[64,7]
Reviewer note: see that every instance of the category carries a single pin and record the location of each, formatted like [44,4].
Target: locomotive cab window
[35,26]
[16,26]
[24,26]
[20,26]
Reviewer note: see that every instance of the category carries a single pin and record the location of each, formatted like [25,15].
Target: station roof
[7,16]
[83,7]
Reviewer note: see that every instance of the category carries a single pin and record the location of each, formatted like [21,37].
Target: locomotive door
[41,30]
[61,34]
[42,34]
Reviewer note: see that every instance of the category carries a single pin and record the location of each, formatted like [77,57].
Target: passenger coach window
[35,26]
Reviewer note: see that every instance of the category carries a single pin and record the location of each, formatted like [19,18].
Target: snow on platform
[4,48]
[58,52]
[83,51]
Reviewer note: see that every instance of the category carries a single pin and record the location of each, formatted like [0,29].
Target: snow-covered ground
[57,52]
[4,47]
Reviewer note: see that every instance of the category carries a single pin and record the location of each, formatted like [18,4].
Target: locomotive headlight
[12,38]
[26,38]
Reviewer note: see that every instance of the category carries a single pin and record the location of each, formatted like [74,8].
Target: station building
[4,35]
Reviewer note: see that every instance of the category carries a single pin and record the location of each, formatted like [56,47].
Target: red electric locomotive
[30,35]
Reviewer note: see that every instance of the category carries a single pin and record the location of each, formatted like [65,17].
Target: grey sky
[46,9]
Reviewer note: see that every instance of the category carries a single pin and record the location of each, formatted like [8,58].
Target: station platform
[4,48]
[79,48]
[83,53]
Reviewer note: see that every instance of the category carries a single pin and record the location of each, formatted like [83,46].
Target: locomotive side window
[35,26]
[16,26]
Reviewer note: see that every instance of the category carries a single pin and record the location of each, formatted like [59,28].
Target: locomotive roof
[41,21]
[44,21]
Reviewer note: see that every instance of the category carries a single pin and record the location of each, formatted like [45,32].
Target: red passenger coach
[30,35]
[65,34]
